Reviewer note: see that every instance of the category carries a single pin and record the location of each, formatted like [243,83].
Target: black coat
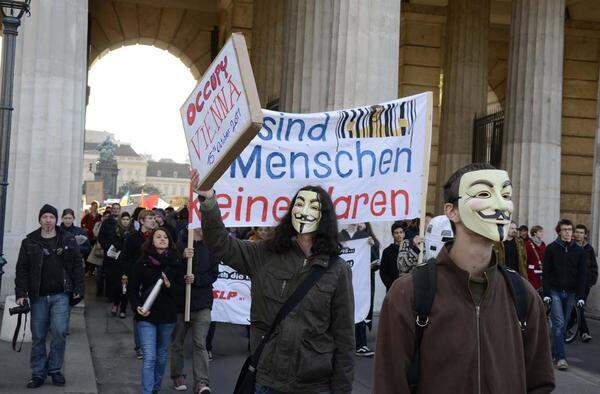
[28,277]
[564,268]
[84,248]
[205,268]
[144,276]
[591,266]
[388,269]
[132,250]
[108,236]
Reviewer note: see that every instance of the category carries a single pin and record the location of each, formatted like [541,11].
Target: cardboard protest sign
[223,114]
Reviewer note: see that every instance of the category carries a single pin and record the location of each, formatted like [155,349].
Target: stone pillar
[532,129]
[267,50]
[48,122]
[339,53]
[594,297]
[465,84]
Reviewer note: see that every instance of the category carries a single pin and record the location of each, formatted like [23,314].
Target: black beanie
[68,211]
[47,208]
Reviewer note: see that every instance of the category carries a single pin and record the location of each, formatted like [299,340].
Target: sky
[135,93]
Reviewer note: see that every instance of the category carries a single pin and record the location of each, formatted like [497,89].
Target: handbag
[246,382]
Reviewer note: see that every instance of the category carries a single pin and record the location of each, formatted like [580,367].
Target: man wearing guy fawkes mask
[312,349]
[472,340]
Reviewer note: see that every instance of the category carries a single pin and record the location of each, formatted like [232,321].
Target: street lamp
[12,11]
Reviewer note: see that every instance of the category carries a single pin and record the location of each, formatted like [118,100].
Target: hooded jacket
[312,349]
[591,272]
[564,268]
[29,278]
[465,348]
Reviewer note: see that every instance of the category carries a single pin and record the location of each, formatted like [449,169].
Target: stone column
[464,84]
[339,53]
[532,129]
[267,49]
[48,122]
[594,297]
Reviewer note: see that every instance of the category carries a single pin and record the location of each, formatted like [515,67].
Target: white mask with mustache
[306,212]
[485,204]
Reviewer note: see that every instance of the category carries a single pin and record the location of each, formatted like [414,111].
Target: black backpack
[425,283]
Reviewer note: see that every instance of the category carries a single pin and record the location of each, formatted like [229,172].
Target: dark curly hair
[326,239]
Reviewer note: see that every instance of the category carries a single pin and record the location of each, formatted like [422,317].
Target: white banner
[231,297]
[373,161]
[231,291]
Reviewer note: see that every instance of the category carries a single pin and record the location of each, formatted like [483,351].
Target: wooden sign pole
[425,181]
[188,287]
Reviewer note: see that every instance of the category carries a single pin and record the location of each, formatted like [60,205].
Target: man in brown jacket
[472,341]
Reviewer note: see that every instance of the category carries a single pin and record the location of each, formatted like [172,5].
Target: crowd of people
[308,345]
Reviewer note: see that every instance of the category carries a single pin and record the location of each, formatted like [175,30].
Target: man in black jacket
[581,236]
[563,277]
[132,250]
[50,273]
[205,269]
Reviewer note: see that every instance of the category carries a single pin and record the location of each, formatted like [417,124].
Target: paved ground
[118,371]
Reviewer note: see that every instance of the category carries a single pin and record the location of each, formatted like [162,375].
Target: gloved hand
[547,300]
[580,303]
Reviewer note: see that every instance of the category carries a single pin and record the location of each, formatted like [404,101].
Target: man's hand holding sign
[220,118]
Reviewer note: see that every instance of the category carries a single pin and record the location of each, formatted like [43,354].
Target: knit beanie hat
[47,208]
[68,211]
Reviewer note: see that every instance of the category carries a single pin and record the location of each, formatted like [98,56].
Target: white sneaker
[365,352]
[586,337]
[562,364]
[179,384]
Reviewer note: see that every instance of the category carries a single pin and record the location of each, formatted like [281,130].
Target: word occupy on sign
[223,113]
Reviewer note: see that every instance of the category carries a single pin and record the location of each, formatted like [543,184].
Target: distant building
[171,178]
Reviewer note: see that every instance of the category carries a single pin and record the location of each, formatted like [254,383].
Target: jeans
[136,334]
[210,335]
[360,334]
[560,311]
[154,341]
[49,313]
[199,323]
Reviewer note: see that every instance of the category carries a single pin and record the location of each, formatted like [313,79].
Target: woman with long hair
[311,349]
[159,260]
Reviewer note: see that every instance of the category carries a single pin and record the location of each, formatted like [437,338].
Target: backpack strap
[517,289]
[424,279]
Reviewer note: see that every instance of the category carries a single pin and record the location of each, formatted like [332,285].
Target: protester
[472,340]
[49,273]
[260,233]
[88,222]
[535,249]
[563,279]
[523,232]
[398,258]
[352,232]
[311,351]
[81,236]
[132,251]
[511,252]
[116,274]
[581,237]
[205,269]
[111,246]
[159,260]
[161,220]
[98,254]
[135,217]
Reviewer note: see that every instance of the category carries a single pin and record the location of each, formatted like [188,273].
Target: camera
[19,309]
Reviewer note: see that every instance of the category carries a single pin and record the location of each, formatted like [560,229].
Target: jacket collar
[565,245]
[460,277]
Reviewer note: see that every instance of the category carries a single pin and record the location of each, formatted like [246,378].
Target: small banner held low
[372,160]
[231,291]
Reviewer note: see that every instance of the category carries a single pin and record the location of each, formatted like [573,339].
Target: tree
[134,187]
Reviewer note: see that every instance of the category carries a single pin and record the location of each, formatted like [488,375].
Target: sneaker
[202,389]
[179,384]
[122,315]
[365,352]
[586,337]
[138,354]
[35,382]
[210,356]
[58,379]
[562,364]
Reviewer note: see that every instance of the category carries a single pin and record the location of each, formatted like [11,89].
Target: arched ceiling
[183,27]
